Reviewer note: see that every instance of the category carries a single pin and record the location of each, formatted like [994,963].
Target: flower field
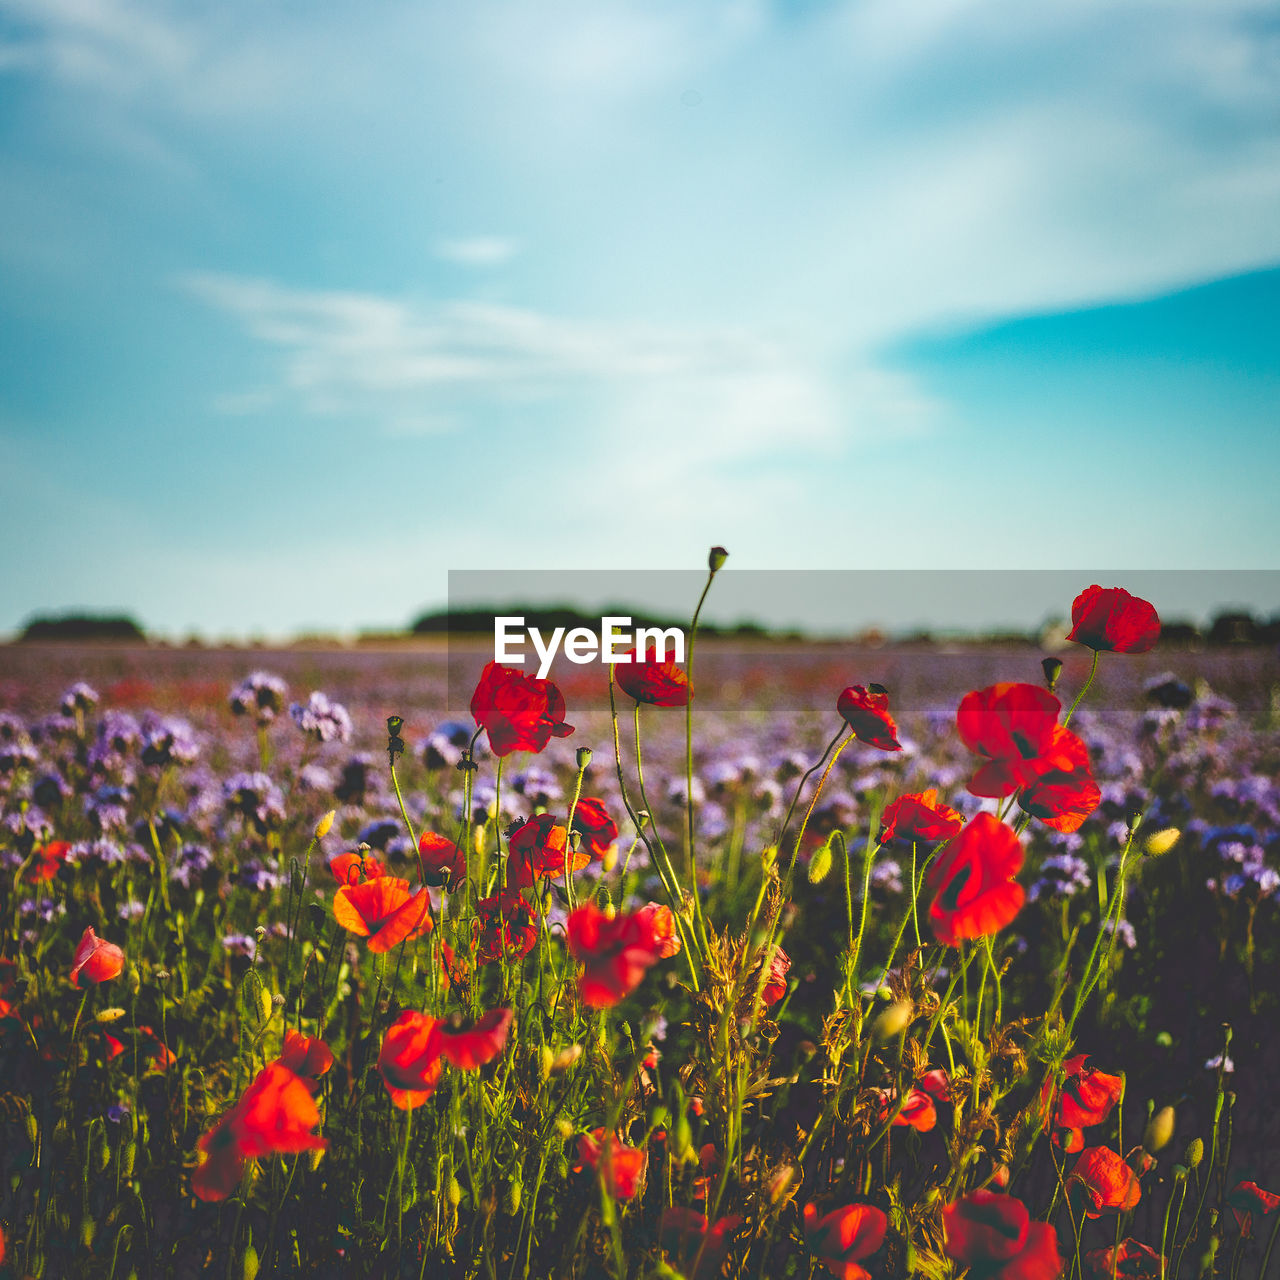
[793,961]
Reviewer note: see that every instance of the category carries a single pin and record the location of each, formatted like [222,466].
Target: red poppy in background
[700,1247]
[506,927]
[1016,727]
[843,1238]
[1110,618]
[1086,1099]
[46,859]
[620,1167]
[599,832]
[162,1057]
[775,983]
[274,1116]
[519,712]
[469,1048]
[993,1235]
[306,1056]
[409,1060]
[444,865]
[1246,1199]
[936,1083]
[918,1111]
[538,848]
[866,710]
[615,953]
[1106,1180]
[919,816]
[663,926]
[385,911]
[1130,1260]
[975,893]
[644,678]
[95,960]
[352,867]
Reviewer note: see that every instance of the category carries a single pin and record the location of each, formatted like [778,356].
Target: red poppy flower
[699,1247]
[975,893]
[599,831]
[867,712]
[95,960]
[46,859]
[843,1238]
[469,1048]
[273,1116]
[644,678]
[775,983]
[1086,1099]
[506,928]
[537,848]
[114,1047]
[520,712]
[409,1060]
[444,865]
[993,1235]
[663,926]
[1130,1260]
[162,1057]
[918,1111]
[615,953]
[306,1056]
[919,817]
[1106,1180]
[1246,1199]
[384,910]
[936,1083]
[1110,618]
[620,1167]
[1016,727]
[351,868]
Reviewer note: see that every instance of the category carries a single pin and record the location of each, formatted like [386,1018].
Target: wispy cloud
[477,251]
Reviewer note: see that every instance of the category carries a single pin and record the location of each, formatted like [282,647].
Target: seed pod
[584,758]
[820,864]
[1159,1132]
[716,558]
[1194,1153]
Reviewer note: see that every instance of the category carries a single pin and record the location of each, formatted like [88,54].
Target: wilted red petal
[866,711]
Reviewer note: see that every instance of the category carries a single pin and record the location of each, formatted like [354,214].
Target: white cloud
[477,251]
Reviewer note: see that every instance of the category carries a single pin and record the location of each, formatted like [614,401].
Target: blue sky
[302,306]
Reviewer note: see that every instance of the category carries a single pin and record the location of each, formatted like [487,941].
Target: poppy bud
[108,1016]
[249,1263]
[565,1059]
[893,1021]
[564,1127]
[1159,1132]
[514,1191]
[127,1157]
[265,1003]
[610,859]
[768,856]
[325,825]
[820,864]
[782,1185]
[682,1140]
[546,1059]
[1194,1153]
[87,1229]
[1162,841]
[454,1192]
[716,559]
[584,758]
[1052,668]
[33,1128]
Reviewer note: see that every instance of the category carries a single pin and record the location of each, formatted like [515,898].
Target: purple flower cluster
[322,719]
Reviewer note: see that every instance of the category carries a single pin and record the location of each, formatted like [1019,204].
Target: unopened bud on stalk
[1052,668]
[113,1014]
[716,559]
[249,1263]
[893,1021]
[325,825]
[1162,841]
[1194,1153]
[820,864]
[782,1186]
[453,1192]
[266,1003]
[562,1061]
[584,758]
[1159,1132]
[564,1127]
[768,856]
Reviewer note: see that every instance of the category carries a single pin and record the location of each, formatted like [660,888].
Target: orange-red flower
[919,817]
[444,864]
[843,1238]
[698,1245]
[866,710]
[599,832]
[352,867]
[1086,1099]
[1028,752]
[620,1167]
[275,1115]
[1106,1180]
[663,926]
[1246,1199]
[519,712]
[469,1048]
[505,929]
[936,1083]
[95,960]
[1129,1260]
[1110,618]
[993,1235]
[975,893]
[46,859]
[306,1056]
[918,1111]
[644,678]
[615,953]
[384,910]
[538,848]
[162,1057]
[409,1060]
[775,982]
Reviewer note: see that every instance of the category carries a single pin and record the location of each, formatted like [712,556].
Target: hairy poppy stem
[1093,671]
